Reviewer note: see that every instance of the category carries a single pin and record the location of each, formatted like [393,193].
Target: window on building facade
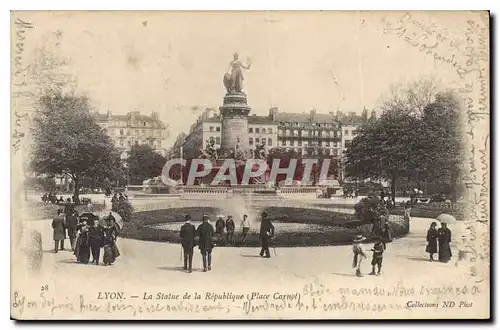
[121,143]
[287,132]
[256,140]
[270,142]
[211,128]
[257,130]
[346,132]
[217,140]
[295,132]
[250,141]
[121,132]
[283,142]
[300,143]
[217,129]
[250,130]
[263,141]
[332,134]
[269,131]
[280,132]
[347,143]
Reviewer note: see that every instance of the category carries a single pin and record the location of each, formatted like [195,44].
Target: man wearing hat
[219,227]
[188,233]
[230,227]
[359,254]
[266,232]
[205,232]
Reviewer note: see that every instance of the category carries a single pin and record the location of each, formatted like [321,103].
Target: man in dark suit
[96,241]
[59,233]
[230,227]
[206,231]
[188,233]
[266,232]
[71,224]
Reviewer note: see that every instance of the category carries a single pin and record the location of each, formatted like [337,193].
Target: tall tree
[67,140]
[383,149]
[144,163]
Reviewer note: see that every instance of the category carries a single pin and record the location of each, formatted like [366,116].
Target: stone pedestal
[234,113]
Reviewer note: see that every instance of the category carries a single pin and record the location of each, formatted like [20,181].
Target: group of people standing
[208,237]
[230,227]
[438,241]
[87,235]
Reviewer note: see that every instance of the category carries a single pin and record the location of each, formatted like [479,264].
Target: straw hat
[359,238]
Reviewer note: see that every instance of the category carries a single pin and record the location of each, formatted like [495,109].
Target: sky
[169,62]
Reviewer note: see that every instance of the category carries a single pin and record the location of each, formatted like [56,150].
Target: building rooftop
[260,120]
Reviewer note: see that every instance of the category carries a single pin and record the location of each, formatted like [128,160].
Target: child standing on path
[359,254]
[378,252]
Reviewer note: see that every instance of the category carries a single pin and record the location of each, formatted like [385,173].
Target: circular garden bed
[293,226]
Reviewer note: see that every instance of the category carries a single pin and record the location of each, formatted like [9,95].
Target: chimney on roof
[273,112]
[155,116]
[339,115]
[365,114]
[312,115]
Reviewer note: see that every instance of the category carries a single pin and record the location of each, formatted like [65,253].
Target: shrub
[370,208]
[124,209]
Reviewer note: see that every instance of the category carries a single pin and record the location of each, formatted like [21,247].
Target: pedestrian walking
[266,233]
[188,233]
[245,227]
[359,254]
[96,237]
[230,227]
[377,258]
[219,229]
[431,247]
[444,240]
[205,232]
[71,226]
[58,234]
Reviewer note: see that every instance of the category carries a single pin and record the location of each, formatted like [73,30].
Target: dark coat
[205,231]
[266,229]
[188,233]
[96,235]
[58,226]
[230,226]
[219,226]
[432,235]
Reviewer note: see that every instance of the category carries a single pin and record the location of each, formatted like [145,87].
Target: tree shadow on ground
[250,256]
[69,261]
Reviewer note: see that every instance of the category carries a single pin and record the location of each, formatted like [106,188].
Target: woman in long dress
[444,239]
[432,235]
[236,84]
[82,245]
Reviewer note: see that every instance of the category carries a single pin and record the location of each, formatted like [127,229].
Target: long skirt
[82,250]
[444,253]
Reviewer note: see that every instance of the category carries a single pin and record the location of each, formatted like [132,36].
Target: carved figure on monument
[260,151]
[239,153]
[210,151]
[234,80]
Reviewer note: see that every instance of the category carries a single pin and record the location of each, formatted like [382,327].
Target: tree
[370,209]
[383,149]
[144,163]
[417,138]
[68,141]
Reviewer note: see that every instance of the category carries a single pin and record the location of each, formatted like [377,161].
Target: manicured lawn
[336,229]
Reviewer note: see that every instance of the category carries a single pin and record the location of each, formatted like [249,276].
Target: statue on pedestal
[260,151]
[234,80]
[210,151]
